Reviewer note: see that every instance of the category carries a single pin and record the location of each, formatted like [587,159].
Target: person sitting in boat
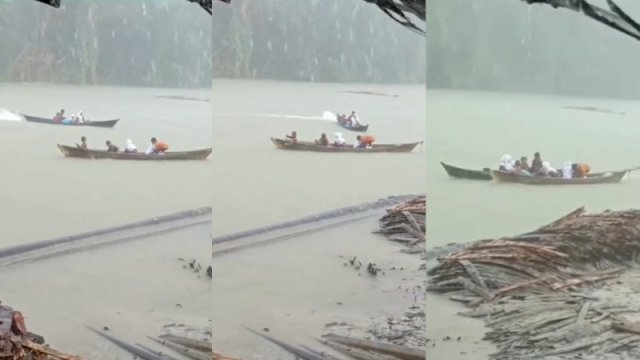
[548,170]
[111,147]
[323,141]
[80,118]
[157,147]
[524,164]
[339,140]
[506,163]
[353,120]
[293,138]
[130,147]
[364,141]
[567,170]
[580,170]
[69,120]
[59,116]
[519,169]
[536,164]
[83,143]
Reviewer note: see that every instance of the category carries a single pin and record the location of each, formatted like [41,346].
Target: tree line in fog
[314,40]
[505,45]
[116,42]
[168,43]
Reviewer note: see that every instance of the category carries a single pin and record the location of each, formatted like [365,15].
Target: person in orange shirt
[364,141]
[157,147]
[580,170]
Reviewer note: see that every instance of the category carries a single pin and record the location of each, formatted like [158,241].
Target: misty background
[158,43]
[505,45]
[314,40]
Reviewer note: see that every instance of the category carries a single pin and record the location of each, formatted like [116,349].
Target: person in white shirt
[130,147]
[567,170]
[80,116]
[353,119]
[506,163]
[339,141]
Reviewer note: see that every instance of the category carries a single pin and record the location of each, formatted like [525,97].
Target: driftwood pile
[406,223]
[537,291]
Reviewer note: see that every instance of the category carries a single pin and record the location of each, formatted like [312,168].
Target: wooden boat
[74,151]
[359,128]
[595,178]
[41,120]
[312,146]
[460,173]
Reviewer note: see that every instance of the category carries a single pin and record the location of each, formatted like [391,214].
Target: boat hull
[75,152]
[596,178]
[309,146]
[460,173]
[40,120]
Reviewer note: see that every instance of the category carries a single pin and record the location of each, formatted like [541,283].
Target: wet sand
[133,288]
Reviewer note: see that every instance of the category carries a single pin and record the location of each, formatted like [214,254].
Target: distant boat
[311,146]
[461,173]
[76,152]
[359,128]
[41,120]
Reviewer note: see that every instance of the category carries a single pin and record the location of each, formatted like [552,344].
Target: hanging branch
[54,3]
[205,4]
[399,9]
[614,18]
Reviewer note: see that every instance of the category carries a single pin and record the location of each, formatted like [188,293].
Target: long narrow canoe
[359,128]
[73,151]
[595,178]
[311,146]
[41,120]
[461,173]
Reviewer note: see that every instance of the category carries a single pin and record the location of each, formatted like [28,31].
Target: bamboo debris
[401,352]
[406,222]
[526,287]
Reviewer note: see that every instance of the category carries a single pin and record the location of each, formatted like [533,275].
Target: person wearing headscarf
[548,170]
[339,140]
[506,163]
[567,170]
[130,147]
